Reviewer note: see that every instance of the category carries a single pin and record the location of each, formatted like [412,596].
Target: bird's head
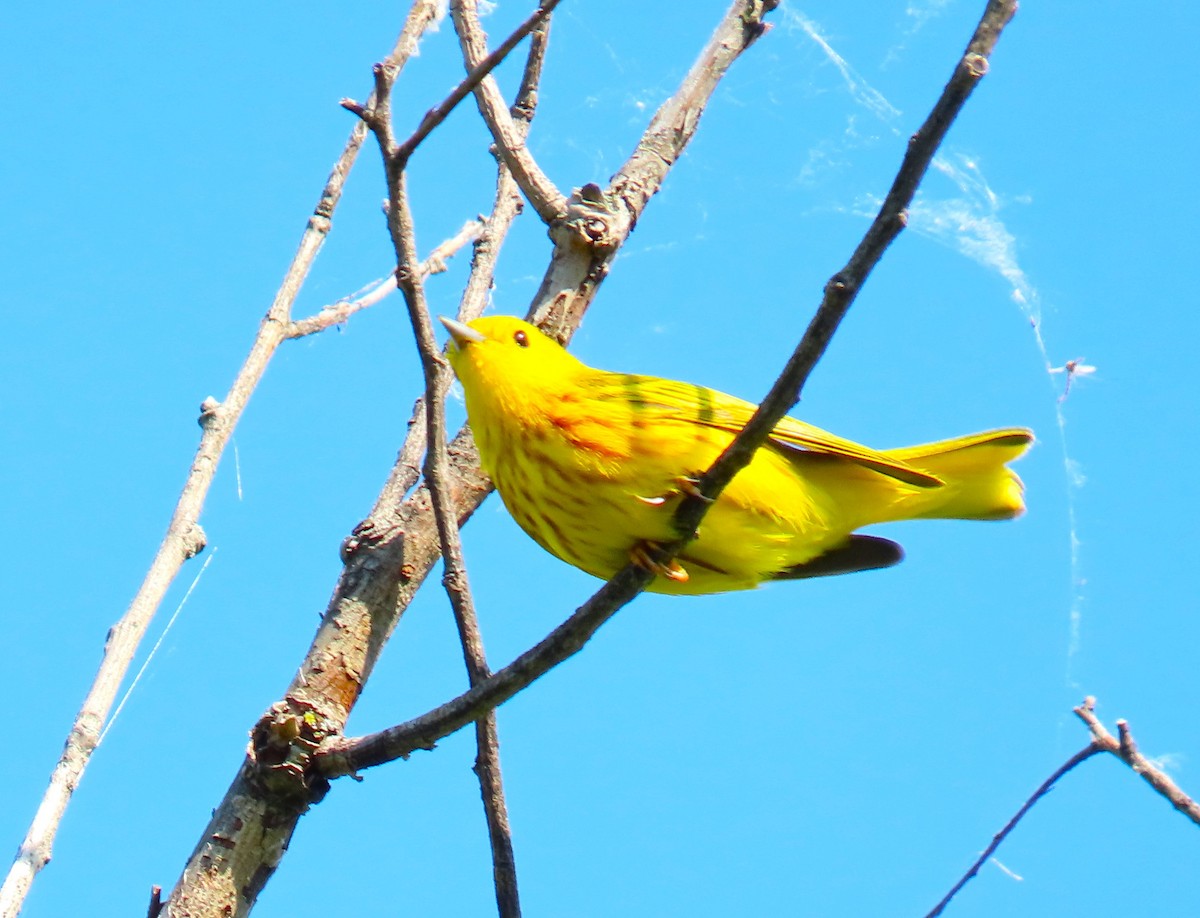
[505,359]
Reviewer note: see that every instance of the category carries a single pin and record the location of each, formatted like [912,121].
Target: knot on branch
[368,534]
[840,287]
[320,223]
[405,276]
[590,221]
[752,18]
[210,412]
[975,64]
[281,749]
[194,541]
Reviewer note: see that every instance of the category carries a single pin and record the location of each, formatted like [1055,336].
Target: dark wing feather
[861,553]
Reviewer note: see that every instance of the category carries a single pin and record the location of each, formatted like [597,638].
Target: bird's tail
[978,483]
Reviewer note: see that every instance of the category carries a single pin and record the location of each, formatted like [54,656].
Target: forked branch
[1123,747]
[342,310]
[504,124]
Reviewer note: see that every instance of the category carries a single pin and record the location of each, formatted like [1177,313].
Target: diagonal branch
[1124,748]
[487,741]
[185,538]
[339,756]
[1046,786]
[597,220]
[377,115]
[386,558]
[478,73]
[339,312]
[843,287]
[438,480]
[507,133]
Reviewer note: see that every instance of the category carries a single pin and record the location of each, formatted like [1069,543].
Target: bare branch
[1125,749]
[454,578]
[1081,756]
[339,312]
[525,105]
[477,74]
[386,559]
[546,199]
[406,471]
[487,765]
[678,118]
[487,741]
[581,273]
[185,538]
[218,421]
[155,906]
[597,221]
[340,756]
[377,116]
[438,479]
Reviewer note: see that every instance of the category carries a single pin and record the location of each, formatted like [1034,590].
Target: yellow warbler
[592,465]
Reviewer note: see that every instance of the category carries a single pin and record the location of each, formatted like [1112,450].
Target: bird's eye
[521,338]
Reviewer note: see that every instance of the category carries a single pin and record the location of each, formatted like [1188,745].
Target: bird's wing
[667,400]
[796,434]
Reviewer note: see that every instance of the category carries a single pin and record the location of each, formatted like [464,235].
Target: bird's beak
[462,334]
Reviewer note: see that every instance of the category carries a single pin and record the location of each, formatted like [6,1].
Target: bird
[592,465]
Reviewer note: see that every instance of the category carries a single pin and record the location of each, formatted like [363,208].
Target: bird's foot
[689,485]
[649,556]
[684,484]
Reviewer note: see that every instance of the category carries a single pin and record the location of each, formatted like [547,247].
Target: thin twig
[406,471]
[337,313]
[184,538]
[345,755]
[454,578]
[437,478]
[341,756]
[477,74]
[506,205]
[547,200]
[487,760]
[1125,749]
[155,906]
[377,116]
[1081,756]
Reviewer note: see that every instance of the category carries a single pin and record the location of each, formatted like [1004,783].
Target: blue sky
[841,746]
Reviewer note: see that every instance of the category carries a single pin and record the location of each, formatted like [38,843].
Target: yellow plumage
[592,465]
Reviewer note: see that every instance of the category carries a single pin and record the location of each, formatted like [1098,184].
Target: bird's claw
[689,485]
[649,557]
